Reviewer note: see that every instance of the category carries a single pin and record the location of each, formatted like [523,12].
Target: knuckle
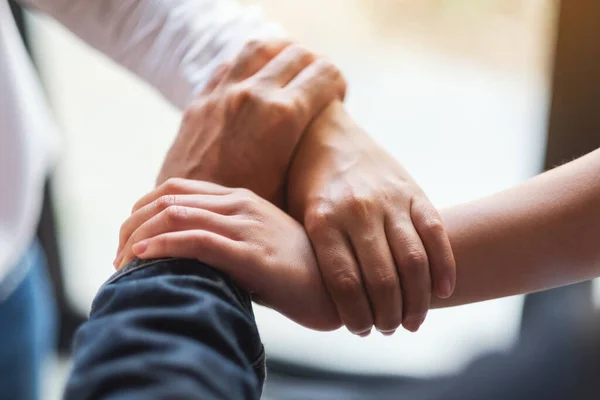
[319,218]
[165,202]
[246,198]
[414,261]
[242,96]
[385,283]
[346,284]
[435,226]
[172,184]
[245,194]
[174,214]
[283,111]
[358,204]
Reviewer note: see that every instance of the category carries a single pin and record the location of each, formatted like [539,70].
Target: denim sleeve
[168,329]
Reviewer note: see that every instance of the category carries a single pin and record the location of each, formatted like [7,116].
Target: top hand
[379,241]
[242,129]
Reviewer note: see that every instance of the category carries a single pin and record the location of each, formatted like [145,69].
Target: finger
[379,275]
[316,86]
[412,264]
[253,57]
[342,279]
[286,65]
[178,218]
[214,203]
[217,77]
[181,186]
[429,226]
[208,247]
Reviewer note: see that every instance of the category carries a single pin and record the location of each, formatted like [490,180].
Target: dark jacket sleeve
[168,329]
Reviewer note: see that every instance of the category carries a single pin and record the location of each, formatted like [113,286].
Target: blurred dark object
[69,319]
[574,124]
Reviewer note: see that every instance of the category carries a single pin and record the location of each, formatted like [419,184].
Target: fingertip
[413,324]
[117,260]
[123,263]
[364,334]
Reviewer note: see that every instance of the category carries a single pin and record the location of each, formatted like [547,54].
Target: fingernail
[140,248]
[387,333]
[445,288]
[365,333]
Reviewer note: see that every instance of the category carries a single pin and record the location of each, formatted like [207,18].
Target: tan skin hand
[380,243]
[243,129]
[260,247]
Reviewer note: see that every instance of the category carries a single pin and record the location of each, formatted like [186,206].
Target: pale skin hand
[260,247]
[536,236]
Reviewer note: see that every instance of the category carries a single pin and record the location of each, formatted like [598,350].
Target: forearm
[174,45]
[539,235]
[168,329]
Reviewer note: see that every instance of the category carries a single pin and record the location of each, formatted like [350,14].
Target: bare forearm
[541,234]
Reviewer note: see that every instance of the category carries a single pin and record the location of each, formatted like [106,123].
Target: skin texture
[262,248]
[538,235]
[380,243]
[272,121]
[257,105]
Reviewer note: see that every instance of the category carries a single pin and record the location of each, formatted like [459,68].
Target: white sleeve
[172,44]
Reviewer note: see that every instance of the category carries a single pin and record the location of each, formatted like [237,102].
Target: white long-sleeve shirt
[172,44]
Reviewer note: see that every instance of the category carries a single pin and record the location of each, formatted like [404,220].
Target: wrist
[311,160]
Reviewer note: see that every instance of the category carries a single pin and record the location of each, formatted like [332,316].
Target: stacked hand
[259,246]
[243,128]
[272,122]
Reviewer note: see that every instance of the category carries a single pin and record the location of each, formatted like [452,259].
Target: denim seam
[260,358]
[128,269]
[138,264]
